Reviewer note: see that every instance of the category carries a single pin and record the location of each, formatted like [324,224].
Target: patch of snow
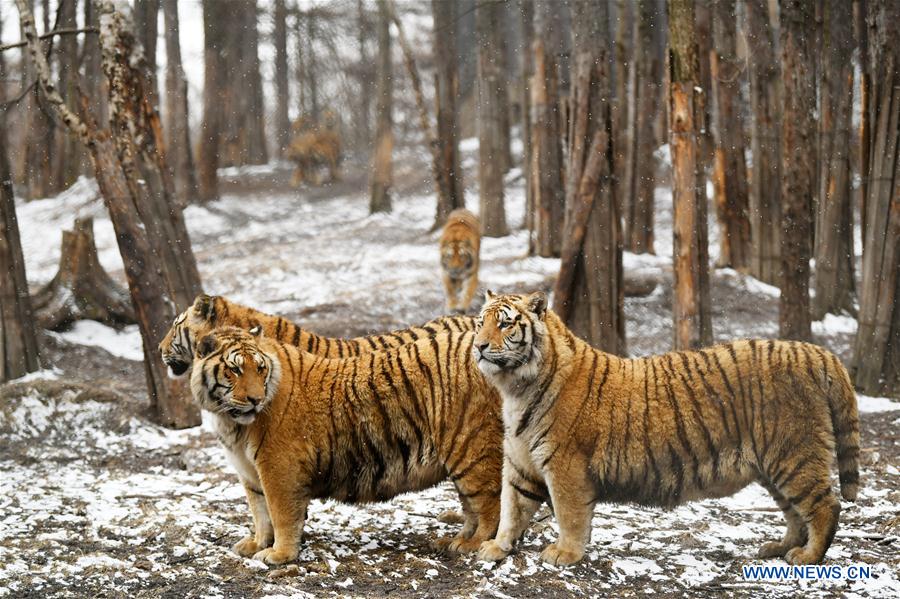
[867,404]
[834,324]
[126,343]
[469,144]
[45,374]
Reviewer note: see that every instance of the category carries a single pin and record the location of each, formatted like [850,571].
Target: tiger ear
[489,295]
[537,302]
[206,346]
[256,330]
[204,307]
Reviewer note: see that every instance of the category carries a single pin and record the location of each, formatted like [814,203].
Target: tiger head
[458,258]
[235,375]
[177,347]
[508,335]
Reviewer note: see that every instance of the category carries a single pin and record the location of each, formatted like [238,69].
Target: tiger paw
[275,557]
[800,556]
[450,517]
[770,550]
[491,551]
[460,545]
[556,556]
[246,547]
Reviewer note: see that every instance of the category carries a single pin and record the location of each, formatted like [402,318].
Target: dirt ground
[97,500]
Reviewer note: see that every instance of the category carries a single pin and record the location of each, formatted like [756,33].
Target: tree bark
[590,293]
[492,151]
[549,195]
[730,180]
[798,147]
[18,342]
[834,220]
[214,21]
[366,75]
[860,9]
[39,180]
[625,53]
[95,84]
[118,165]
[146,28]
[526,58]
[765,176]
[382,173]
[877,351]
[690,304]
[66,160]
[311,70]
[640,164]
[451,196]
[703,37]
[282,94]
[257,152]
[179,154]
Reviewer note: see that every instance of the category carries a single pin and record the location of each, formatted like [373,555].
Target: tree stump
[81,288]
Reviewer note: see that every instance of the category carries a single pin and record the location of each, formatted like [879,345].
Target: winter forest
[501,298]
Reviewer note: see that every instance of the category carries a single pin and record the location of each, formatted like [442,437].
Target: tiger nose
[482,346]
[253,400]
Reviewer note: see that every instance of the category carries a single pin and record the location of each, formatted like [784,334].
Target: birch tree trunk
[180,156]
[590,293]
[382,173]
[834,279]
[690,303]
[798,147]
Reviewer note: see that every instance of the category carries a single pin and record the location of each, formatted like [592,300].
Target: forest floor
[97,500]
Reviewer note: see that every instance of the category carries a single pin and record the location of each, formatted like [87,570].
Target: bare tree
[366,74]
[257,152]
[382,173]
[730,180]
[877,351]
[178,135]
[765,180]
[66,160]
[526,65]
[834,220]
[214,22]
[590,293]
[546,182]
[624,54]
[860,9]
[492,151]
[798,143]
[690,304]
[39,180]
[282,95]
[146,27]
[95,84]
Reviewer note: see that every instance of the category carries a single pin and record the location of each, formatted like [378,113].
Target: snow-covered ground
[95,499]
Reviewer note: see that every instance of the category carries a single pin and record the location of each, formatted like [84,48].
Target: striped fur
[298,426]
[460,247]
[209,312]
[583,427]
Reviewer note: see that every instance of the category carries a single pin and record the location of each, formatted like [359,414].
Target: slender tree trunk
[690,304]
[65,159]
[549,194]
[256,150]
[877,352]
[366,78]
[730,165]
[382,173]
[492,153]
[834,222]
[860,8]
[526,58]
[311,70]
[451,195]
[300,68]
[39,181]
[146,27]
[798,138]
[625,51]
[589,293]
[18,342]
[179,154]
[640,172]
[704,40]
[95,83]
[214,21]
[765,179]
[282,95]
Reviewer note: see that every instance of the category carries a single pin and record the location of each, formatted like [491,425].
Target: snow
[833,323]
[869,405]
[126,343]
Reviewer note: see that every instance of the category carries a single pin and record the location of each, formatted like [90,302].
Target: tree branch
[55,32]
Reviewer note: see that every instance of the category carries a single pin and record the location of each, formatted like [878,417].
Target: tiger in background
[298,426]
[313,147]
[460,246]
[211,311]
[583,426]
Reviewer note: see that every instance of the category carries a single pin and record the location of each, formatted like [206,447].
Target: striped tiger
[297,427]
[583,426]
[460,246]
[211,311]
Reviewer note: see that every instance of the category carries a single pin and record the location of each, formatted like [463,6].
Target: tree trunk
[282,94]
[257,152]
[119,167]
[311,70]
[146,28]
[865,85]
[625,51]
[549,195]
[492,151]
[730,180]
[690,303]
[452,195]
[66,159]
[39,181]
[214,21]
[640,164]
[81,289]
[95,83]
[798,147]
[179,154]
[590,292]
[834,221]
[366,75]
[382,176]
[703,37]
[526,58]
[877,352]
[18,343]
[765,181]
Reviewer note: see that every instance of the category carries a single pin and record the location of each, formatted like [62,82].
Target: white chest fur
[238,451]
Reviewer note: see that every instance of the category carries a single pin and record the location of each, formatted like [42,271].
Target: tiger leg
[469,520]
[296,177]
[471,288]
[263,534]
[452,288]
[795,536]
[287,508]
[572,495]
[518,503]
[810,495]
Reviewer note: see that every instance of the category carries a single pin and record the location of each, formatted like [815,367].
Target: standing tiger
[460,245]
[298,427]
[314,147]
[208,312]
[583,426]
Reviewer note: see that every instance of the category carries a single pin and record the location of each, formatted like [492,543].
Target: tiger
[313,147]
[460,245]
[298,426]
[583,426]
[210,311]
